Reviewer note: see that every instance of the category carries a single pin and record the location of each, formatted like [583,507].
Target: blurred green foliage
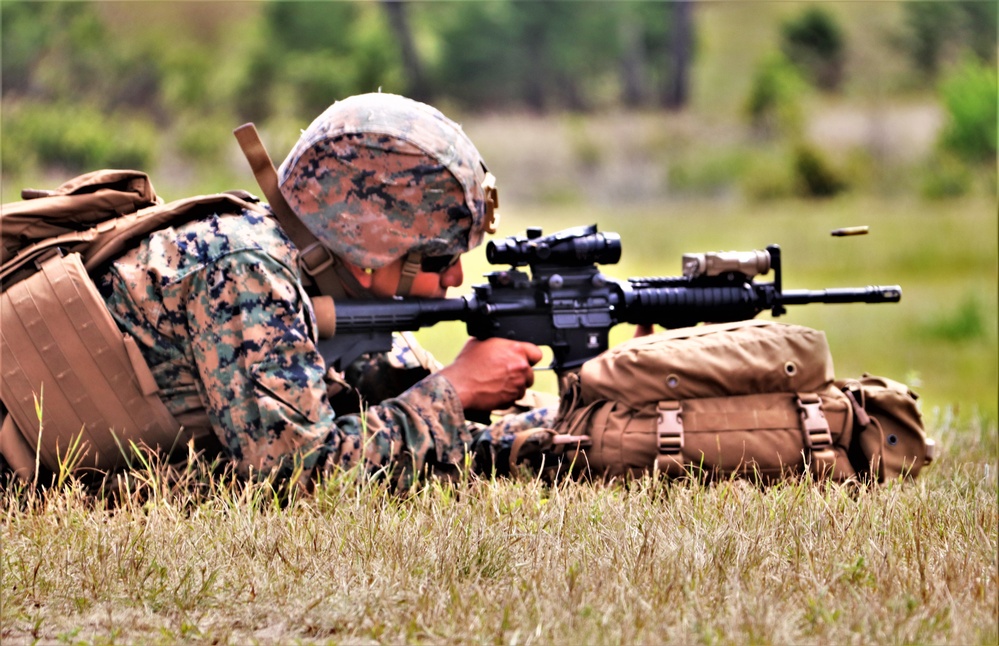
[942,32]
[815,174]
[308,52]
[769,176]
[944,177]
[74,138]
[814,41]
[62,52]
[964,323]
[774,104]
[971,97]
[545,55]
[185,73]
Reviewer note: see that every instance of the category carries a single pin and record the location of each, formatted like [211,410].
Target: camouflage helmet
[377,177]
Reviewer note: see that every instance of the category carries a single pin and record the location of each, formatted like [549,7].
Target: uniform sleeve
[252,342]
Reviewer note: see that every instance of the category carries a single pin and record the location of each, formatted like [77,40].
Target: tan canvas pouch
[60,344]
[741,358]
[768,436]
[752,398]
[765,436]
[890,440]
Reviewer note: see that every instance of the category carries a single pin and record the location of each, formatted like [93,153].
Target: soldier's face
[385,281]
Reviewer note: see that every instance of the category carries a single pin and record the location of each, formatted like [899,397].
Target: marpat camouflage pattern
[379,175]
[223,320]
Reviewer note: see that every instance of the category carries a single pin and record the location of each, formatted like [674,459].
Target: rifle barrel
[869,294]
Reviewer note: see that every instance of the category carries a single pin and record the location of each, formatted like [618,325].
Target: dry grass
[196,557]
[207,559]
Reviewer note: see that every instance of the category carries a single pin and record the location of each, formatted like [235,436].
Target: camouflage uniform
[226,326]
[220,312]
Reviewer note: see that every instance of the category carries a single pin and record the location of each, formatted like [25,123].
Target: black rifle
[568,305]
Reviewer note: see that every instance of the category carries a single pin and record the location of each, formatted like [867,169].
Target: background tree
[938,33]
[397,14]
[309,53]
[972,102]
[676,85]
[815,43]
[540,55]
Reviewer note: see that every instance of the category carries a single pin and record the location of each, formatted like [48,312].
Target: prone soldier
[221,309]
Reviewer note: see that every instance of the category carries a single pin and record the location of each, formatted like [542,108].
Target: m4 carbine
[567,304]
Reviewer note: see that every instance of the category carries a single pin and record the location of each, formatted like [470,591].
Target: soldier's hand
[493,373]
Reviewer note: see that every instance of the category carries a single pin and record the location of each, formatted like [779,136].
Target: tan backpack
[754,399]
[62,356]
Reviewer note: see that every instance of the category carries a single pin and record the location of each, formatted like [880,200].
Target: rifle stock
[567,304]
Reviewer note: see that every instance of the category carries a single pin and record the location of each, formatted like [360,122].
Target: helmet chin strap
[410,268]
[342,283]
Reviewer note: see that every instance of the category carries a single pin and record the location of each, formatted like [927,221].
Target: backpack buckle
[313,263]
[45,256]
[669,428]
[813,422]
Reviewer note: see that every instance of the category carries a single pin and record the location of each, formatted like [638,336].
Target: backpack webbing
[59,343]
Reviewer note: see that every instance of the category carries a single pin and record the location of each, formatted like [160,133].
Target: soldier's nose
[454,276]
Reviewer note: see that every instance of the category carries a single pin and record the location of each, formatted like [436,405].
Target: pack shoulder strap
[109,238]
[77,205]
[120,233]
[318,262]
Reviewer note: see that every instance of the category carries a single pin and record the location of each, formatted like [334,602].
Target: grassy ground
[512,562]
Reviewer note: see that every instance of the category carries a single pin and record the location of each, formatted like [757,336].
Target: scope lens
[498,253]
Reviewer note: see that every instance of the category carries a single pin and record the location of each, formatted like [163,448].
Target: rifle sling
[318,262]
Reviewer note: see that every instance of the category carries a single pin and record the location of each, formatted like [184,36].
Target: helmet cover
[377,176]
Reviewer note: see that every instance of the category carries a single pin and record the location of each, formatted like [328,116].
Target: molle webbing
[750,398]
[60,344]
[787,425]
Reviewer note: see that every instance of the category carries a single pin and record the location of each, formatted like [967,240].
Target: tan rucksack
[755,398]
[889,438]
[61,353]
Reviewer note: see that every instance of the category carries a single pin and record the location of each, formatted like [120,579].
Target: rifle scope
[576,247]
